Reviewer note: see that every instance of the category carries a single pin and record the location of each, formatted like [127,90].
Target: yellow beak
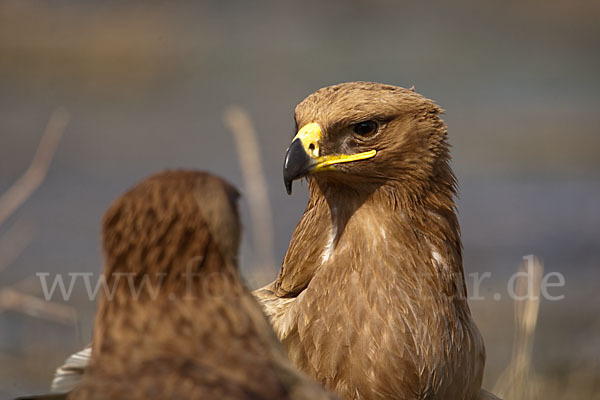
[302,157]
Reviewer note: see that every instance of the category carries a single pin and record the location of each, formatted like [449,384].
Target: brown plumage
[198,333]
[370,300]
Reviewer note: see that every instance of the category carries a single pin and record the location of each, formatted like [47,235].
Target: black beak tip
[297,164]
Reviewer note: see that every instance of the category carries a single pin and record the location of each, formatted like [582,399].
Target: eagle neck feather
[382,274]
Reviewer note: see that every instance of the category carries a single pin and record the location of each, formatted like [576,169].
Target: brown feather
[370,300]
[181,231]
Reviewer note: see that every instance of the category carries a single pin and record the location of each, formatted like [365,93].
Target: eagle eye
[366,128]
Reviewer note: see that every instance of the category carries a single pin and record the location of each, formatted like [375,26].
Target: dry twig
[518,380]
[38,169]
[21,233]
[12,299]
[238,121]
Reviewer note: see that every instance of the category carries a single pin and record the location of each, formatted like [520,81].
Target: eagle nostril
[311,147]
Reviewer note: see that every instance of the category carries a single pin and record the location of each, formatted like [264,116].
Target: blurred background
[146,83]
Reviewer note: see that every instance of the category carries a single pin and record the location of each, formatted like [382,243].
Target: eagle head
[365,132]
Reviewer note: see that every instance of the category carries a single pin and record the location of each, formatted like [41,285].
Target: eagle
[179,322]
[371,300]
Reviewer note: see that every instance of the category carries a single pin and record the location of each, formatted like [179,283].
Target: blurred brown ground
[146,83]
